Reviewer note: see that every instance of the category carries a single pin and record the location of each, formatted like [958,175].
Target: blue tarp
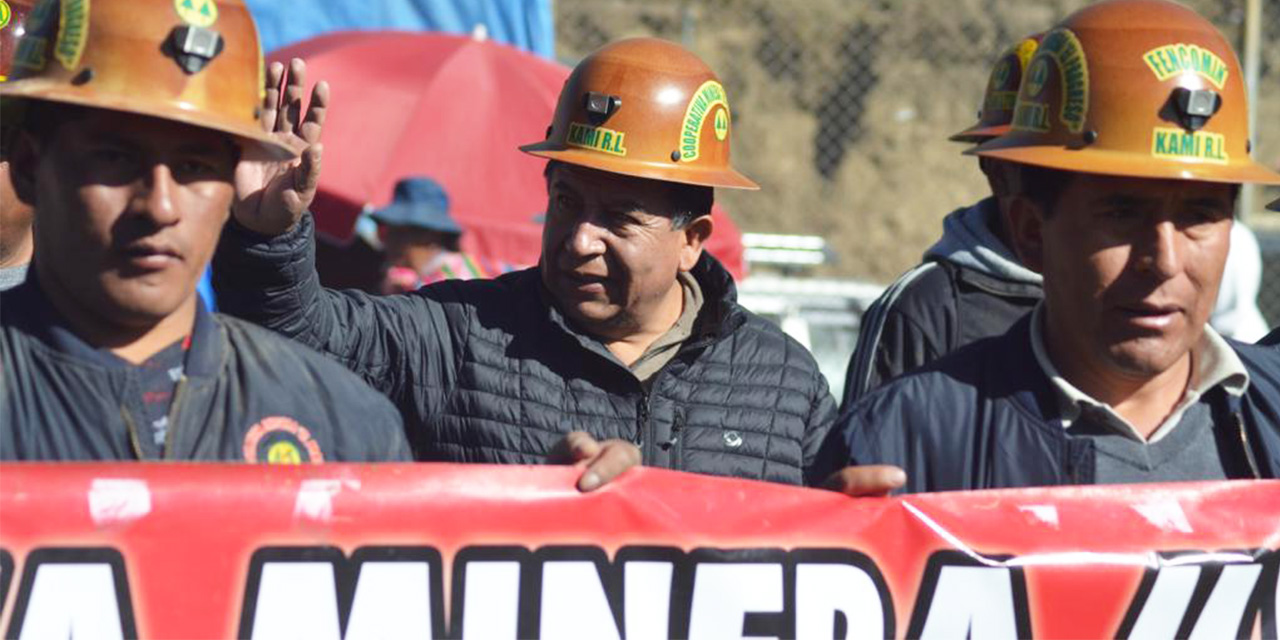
[525,24]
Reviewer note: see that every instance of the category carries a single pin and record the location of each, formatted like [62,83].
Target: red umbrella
[453,108]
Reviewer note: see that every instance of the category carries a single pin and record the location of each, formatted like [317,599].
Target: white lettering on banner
[71,593]
[1171,593]
[650,592]
[492,595]
[725,594]
[1198,601]
[378,591]
[972,602]
[289,588]
[73,601]
[828,593]
[647,599]
[640,592]
[1227,602]
[388,601]
[574,603]
[963,596]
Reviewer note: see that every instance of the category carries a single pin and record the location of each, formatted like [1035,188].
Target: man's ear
[695,235]
[1025,222]
[23,156]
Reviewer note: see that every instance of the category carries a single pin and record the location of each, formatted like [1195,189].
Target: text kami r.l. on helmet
[1135,88]
[1001,93]
[196,62]
[647,108]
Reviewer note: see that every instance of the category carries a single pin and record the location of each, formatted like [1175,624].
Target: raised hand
[272,195]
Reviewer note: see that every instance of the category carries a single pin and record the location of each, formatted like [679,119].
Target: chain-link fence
[1268,136]
[842,109]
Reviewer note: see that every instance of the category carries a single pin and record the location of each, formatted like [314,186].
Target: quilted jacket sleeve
[396,343]
[819,461]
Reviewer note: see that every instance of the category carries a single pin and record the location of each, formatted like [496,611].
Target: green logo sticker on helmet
[1174,59]
[1065,49]
[596,138]
[6,14]
[999,101]
[1002,88]
[1003,71]
[1037,76]
[704,101]
[198,13]
[41,25]
[73,33]
[1030,116]
[1201,146]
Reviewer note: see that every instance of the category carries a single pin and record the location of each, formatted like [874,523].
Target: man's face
[1131,269]
[15,215]
[129,210]
[410,247]
[609,253]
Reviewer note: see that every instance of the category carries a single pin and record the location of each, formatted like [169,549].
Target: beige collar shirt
[1213,363]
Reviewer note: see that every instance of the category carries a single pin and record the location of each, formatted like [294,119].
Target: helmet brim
[727,178]
[253,139]
[1123,163]
[979,133]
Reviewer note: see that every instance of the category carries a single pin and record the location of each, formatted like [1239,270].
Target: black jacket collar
[28,308]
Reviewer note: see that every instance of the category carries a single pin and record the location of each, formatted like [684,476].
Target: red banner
[432,551]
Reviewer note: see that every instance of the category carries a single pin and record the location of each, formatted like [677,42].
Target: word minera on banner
[450,551]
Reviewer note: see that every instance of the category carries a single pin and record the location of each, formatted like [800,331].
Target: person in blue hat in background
[420,239]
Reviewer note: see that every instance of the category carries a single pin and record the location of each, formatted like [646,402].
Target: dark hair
[41,118]
[1042,185]
[1045,186]
[691,201]
[37,117]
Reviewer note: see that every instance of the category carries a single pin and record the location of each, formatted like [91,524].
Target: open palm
[272,195]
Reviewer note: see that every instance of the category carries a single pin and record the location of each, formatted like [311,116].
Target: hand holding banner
[350,551]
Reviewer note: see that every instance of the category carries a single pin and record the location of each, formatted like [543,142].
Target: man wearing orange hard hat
[1130,142]
[134,122]
[626,332]
[970,285]
[15,215]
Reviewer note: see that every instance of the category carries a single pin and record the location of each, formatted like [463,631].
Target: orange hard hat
[197,62]
[1002,91]
[1138,88]
[647,108]
[12,15]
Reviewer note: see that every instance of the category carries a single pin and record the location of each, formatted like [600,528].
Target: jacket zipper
[133,434]
[642,439]
[167,454]
[1244,441]
[675,445]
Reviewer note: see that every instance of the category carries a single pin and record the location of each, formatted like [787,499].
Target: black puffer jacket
[986,417]
[490,371]
[246,395]
[969,287]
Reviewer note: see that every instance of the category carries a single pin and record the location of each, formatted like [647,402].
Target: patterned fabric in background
[449,265]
